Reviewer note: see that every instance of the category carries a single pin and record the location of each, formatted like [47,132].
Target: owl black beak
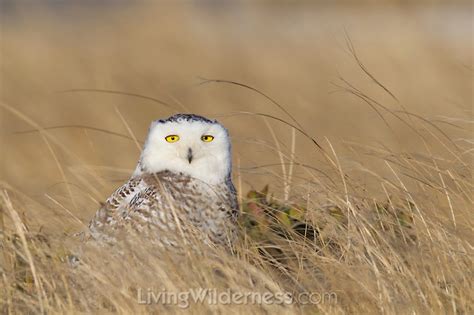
[190,155]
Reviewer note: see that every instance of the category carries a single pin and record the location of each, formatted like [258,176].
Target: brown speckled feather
[169,208]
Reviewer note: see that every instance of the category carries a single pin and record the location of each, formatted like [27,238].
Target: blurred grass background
[304,55]
[292,52]
[298,53]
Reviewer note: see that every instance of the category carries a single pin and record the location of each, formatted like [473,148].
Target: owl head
[188,144]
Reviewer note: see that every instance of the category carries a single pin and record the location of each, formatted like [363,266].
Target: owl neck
[216,174]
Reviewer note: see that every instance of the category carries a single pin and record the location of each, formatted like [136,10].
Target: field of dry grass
[358,118]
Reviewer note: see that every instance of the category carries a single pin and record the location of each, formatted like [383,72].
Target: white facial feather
[211,161]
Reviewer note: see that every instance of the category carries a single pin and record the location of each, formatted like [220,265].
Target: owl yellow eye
[207,138]
[172,138]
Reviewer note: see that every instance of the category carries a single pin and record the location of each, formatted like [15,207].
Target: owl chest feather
[165,202]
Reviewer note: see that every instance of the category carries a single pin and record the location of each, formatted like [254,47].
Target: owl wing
[118,206]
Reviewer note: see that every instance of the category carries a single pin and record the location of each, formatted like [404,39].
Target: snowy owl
[181,188]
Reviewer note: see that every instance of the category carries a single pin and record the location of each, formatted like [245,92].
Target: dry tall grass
[361,125]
